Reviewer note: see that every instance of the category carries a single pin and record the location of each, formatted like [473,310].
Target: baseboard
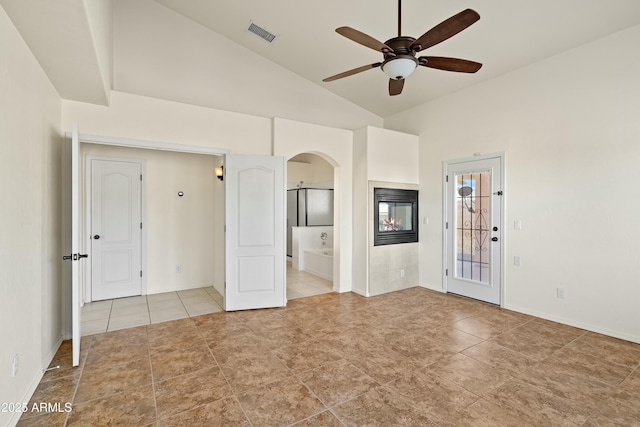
[34,384]
[575,324]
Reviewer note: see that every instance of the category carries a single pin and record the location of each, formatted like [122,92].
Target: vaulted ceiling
[509,35]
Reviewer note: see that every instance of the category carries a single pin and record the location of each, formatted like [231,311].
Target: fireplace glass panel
[394,216]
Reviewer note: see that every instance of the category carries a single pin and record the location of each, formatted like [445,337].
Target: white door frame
[445,206]
[88,218]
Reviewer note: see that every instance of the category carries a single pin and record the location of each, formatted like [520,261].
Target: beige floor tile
[165,304]
[164,315]
[165,296]
[128,321]
[97,305]
[90,327]
[129,301]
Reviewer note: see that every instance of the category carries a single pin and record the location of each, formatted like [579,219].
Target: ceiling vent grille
[261,32]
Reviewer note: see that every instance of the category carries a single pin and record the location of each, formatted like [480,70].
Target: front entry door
[116,235]
[255,232]
[473,227]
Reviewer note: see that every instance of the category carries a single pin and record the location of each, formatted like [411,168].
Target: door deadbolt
[494,239]
[495,228]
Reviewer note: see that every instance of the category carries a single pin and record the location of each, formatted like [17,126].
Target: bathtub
[319,262]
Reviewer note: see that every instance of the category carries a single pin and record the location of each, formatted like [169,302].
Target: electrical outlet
[517,224]
[516,260]
[402,273]
[560,293]
[178,269]
[15,365]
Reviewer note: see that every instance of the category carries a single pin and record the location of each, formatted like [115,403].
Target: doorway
[310,225]
[473,243]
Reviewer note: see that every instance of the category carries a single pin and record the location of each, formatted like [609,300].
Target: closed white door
[473,228]
[116,229]
[255,232]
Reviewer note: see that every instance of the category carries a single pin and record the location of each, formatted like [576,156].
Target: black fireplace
[395,216]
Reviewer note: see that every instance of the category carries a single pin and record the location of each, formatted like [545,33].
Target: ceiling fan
[400,52]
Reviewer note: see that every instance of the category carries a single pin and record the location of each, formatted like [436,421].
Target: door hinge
[498,193]
[446,225]
[446,272]
[140,226]
[140,273]
[446,178]
[140,177]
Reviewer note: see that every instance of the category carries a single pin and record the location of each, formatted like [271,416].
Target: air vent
[261,32]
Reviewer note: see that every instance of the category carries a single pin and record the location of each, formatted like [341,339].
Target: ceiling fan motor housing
[402,61]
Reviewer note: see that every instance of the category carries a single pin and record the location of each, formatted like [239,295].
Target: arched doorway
[310,222]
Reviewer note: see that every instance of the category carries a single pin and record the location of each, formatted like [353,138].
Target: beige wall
[312,170]
[569,128]
[30,216]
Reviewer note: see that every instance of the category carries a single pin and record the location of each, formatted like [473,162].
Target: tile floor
[122,313]
[409,358]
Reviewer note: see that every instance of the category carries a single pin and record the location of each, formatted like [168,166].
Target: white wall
[178,230]
[291,138]
[388,159]
[392,156]
[187,62]
[570,130]
[30,217]
[140,117]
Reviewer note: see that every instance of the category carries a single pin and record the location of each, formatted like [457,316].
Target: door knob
[96,237]
[494,239]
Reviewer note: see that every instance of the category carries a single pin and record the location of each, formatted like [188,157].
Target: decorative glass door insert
[473,214]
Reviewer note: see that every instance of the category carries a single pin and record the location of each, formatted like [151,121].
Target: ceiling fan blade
[395,86]
[352,72]
[363,39]
[449,64]
[445,29]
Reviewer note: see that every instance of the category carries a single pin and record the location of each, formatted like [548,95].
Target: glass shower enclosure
[308,207]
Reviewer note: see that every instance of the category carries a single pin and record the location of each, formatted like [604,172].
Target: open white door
[255,232]
[75,256]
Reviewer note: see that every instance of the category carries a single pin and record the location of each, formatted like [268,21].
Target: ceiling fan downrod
[399,18]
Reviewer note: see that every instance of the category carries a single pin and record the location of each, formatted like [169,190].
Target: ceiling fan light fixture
[399,67]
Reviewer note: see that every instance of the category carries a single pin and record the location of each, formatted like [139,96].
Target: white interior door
[473,227]
[255,232]
[116,234]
